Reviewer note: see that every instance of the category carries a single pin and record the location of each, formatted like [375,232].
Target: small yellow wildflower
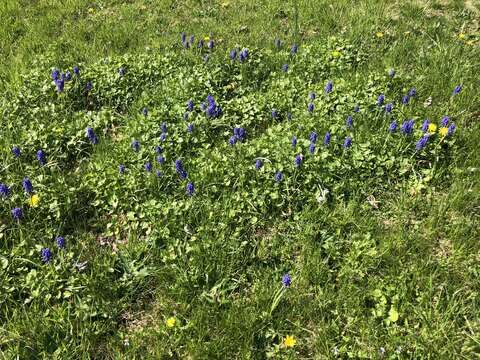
[461,36]
[336,53]
[470,42]
[91,10]
[432,128]
[171,322]
[379,34]
[289,341]
[206,38]
[443,131]
[34,200]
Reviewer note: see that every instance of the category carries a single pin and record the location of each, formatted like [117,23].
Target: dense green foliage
[380,238]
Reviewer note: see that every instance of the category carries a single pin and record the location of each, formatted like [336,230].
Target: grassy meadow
[286,180]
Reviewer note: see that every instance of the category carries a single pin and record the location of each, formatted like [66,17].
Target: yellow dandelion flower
[34,200]
[432,128]
[289,341]
[336,53]
[171,322]
[206,38]
[443,131]
[379,34]
[461,36]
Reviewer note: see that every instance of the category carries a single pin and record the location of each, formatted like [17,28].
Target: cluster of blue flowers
[238,135]
[90,134]
[60,78]
[191,41]
[211,108]
[180,170]
[242,54]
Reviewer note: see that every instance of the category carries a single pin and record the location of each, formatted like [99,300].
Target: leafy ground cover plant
[280,201]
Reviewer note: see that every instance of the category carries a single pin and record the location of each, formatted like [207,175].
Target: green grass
[391,258]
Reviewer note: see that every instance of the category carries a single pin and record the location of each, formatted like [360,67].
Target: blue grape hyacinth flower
[407,127]
[451,129]
[445,121]
[211,44]
[311,107]
[380,100]
[200,44]
[233,54]
[294,49]
[393,126]
[311,148]
[192,39]
[349,122]
[159,173]
[457,90]
[89,86]
[148,167]
[61,242]
[76,70]
[184,37]
[356,109]
[329,87]
[298,160]
[412,92]
[405,100]
[190,189]
[312,96]
[163,136]
[289,116]
[190,128]
[145,112]
[425,125]
[274,113]
[286,280]
[121,71]
[391,73]
[16,151]
[55,74]
[326,139]
[278,176]
[313,137]
[422,142]
[348,142]
[233,140]
[258,164]
[160,159]
[285,68]
[180,170]
[158,149]
[60,84]
[41,157]
[122,169]
[27,185]
[46,255]
[294,141]
[388,108]
[135,145]
[4,191]
[90,134]
[163,127]
[17,213]
[190,105]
